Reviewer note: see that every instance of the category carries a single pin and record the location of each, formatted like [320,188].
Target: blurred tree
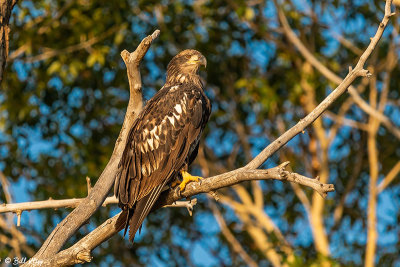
[6,7]
[65,93]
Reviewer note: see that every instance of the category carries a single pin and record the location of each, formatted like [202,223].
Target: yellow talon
[175,183]
[187,177]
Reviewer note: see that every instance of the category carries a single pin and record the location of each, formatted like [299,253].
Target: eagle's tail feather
[142,209]
[123,220]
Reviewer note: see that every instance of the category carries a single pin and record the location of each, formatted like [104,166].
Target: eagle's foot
[177,190]
[187,178]
[175,183]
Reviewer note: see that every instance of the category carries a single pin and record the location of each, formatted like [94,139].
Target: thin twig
[49,204]
[89,184]
[346,121]
[393,173]
[347,43]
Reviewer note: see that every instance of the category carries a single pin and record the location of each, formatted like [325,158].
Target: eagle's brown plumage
[163,140]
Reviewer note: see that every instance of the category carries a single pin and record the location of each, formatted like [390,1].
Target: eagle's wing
[157,147]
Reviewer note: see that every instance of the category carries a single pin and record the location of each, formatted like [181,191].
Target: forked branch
[80,252]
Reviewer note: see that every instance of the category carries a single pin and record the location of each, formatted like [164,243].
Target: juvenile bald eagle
[163,141]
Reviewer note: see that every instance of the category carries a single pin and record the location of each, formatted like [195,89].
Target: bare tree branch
[341,120]
[80,251]
[240,175]
[358,71]
[373,160]
[68,203]
[11,236]
[49,204]
[338,212]
[249,207]
[373,154]
[320,164]
[389,177]
[335,78]
[347,43]
[97,195]
[259,231]
[344,108]
[235,244]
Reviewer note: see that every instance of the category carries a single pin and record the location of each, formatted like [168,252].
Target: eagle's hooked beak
[201,61]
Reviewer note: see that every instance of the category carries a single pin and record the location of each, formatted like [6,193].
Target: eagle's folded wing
[159,142]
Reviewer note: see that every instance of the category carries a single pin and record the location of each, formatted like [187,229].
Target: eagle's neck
[184,78]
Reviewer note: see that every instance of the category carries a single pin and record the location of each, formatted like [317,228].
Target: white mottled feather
[174,88]
[171,120]
[177,117]
[151,143]
[178,108]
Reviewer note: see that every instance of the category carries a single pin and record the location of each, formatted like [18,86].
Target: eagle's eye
[193,60]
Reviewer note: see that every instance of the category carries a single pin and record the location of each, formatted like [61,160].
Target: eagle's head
[184,67]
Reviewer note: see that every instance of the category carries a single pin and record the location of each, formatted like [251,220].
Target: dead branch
[235,244]
[338,212]
[80,252]
[347,43]
[247,210]
[389,177]
[330,75]
[241,175]
[373,160]
[358,71]
[71,203]
[97,195]
[341,120]
[49,204]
